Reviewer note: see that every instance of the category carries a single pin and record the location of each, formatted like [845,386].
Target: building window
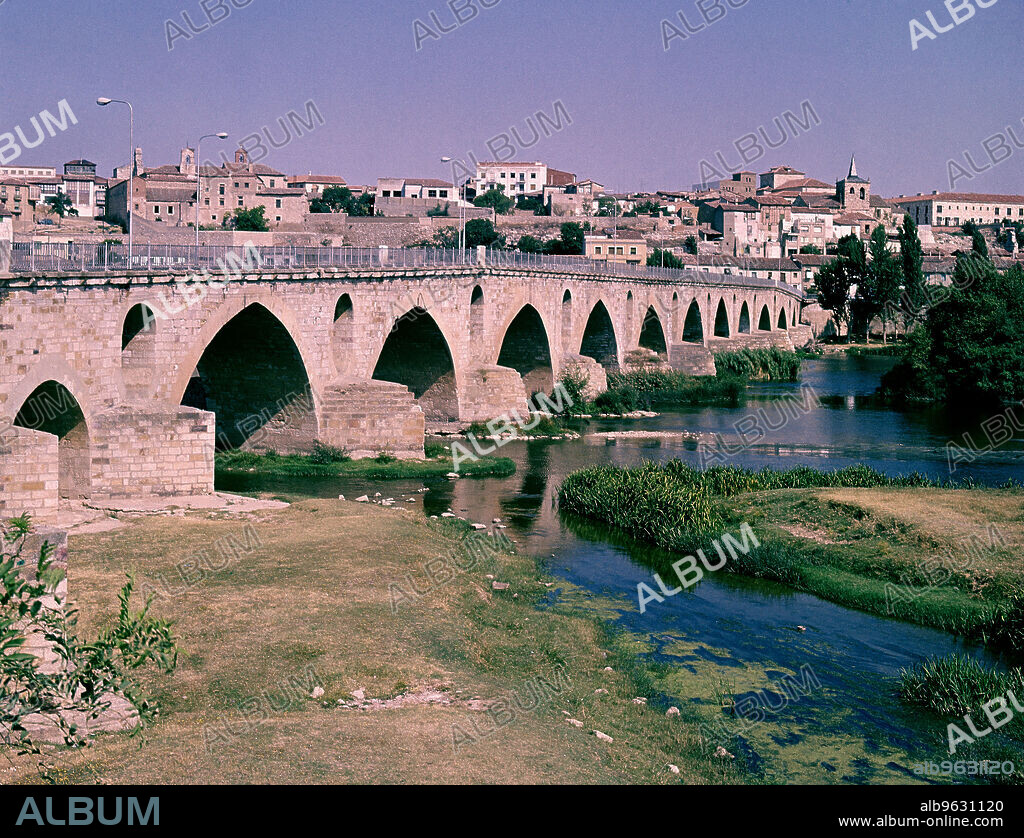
[156,210]
[221,191]
[222,202]
[632,251]
[240,202]
[597,249]
[273,183]
[278,218]
[431,193]
[170,210]
[278,203]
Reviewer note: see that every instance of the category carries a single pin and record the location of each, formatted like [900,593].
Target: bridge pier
[368,417]
[490,391]
[691,358]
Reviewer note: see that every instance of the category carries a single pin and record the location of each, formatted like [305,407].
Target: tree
[879,291]
[342,199]
[912,256]
[496,199]
[811,250]
[834,281]
[647,208]
[529,244]
[480,231]
[690,245]
[664,258]
[971,348]
[61,205]
[253,219]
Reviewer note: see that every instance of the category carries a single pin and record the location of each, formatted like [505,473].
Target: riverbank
[384,467]
[939,557]
[334,646]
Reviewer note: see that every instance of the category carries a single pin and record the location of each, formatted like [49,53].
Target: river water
[732,636]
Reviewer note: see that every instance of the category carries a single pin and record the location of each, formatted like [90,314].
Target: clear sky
[642,117]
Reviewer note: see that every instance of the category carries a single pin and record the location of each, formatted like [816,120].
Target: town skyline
[887,118]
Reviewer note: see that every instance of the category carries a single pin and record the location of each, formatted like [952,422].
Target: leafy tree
[978,244]
[496,199]
[531,203]
[878,287]
[647,208]
[690,245]
[529,244]
[886,277]
[971,348]
[811,250]
[342,199]
[837,278]
[912,256]
[88,674]
[438,211]
[253,219]
[664,258]
[61,205]
[480,231]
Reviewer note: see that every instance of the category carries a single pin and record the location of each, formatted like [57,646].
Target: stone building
[854,192]
[953,209]
[166,194]
[622,251]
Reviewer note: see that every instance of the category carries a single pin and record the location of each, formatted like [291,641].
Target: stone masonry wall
[28,474]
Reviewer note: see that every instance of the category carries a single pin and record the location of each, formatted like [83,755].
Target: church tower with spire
[854,192]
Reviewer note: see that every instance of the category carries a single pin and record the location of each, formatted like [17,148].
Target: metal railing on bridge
[75,257]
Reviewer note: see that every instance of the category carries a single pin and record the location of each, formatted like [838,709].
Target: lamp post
[199,182]
[462,216]
[103,101]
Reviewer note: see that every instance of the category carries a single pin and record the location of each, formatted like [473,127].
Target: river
[732,636]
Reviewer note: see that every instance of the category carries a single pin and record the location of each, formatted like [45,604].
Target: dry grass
[316,594]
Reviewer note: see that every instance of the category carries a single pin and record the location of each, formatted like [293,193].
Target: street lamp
[462,216]
[222,135]
[103,101]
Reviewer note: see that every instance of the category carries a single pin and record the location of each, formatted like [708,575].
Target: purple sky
[642,117]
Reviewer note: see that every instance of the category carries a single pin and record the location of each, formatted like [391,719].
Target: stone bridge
[122,384]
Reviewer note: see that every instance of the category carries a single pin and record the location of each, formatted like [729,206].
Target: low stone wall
[151,451]
[29,474]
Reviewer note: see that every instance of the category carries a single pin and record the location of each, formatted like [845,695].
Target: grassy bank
[772,364]
[644,389]
[311,603]
[900,547]
[323,463]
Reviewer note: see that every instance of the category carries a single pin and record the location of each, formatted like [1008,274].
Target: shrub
[759,364]
[88,673]
[323,455]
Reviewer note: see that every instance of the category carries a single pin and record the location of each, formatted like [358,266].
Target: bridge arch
[417,355]
[652,333]
[566,318]
[253,377]
[139,330]
[51,408]
[693,326]
[599,341]
[764,324]
[722,328]
[782,318]
[343,330]
[744,324]
[477,320]
[526,348]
